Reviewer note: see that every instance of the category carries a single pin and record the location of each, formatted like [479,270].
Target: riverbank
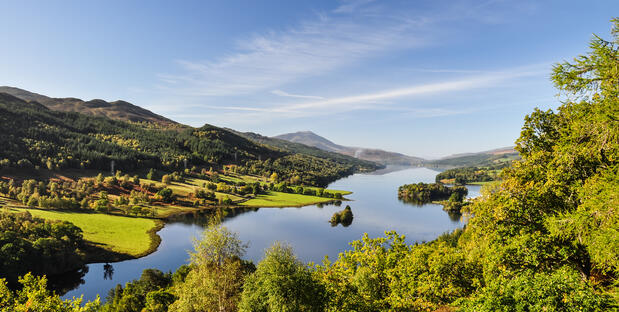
[115,237]
[110,238]
[306,229]
[279,199]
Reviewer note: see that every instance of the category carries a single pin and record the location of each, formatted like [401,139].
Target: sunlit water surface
[374,204]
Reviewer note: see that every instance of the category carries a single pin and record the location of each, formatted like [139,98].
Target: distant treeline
[466,175]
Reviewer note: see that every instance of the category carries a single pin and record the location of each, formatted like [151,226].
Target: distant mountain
[119,110]
[312,139]
[298,148]
[495,157]
[375,155]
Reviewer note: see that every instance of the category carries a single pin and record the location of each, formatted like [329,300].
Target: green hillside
[495,159]
[37,137]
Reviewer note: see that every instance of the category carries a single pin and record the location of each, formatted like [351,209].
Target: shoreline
[97,252]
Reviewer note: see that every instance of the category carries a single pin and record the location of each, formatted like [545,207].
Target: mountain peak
[384,157]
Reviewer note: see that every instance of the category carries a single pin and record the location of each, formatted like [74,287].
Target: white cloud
[350,6]
[467,83]
[314,47]
[299,96]
[355,32]
[401,100]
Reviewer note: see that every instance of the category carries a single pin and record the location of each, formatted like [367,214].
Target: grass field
[131,236]
[277,199]
[330,190]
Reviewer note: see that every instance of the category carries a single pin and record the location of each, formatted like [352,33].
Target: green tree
[152,174]
[165,195]
[215,280]
[34,296]
[551,226]
[99,178]
[158,301]
[166,179]
[282,283]
[360,278]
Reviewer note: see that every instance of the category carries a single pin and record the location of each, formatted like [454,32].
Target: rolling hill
[34,136]
[492,158]
[375,155]
[119,110]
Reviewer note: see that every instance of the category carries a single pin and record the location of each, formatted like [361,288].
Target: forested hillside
[42,136]
[495,159]
[34,136]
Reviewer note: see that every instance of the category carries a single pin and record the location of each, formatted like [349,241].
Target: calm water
[374,204]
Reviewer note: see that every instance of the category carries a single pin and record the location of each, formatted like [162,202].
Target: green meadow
[278,199]
[125,235]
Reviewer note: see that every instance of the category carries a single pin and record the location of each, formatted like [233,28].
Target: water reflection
[454,216]
[376,210]
[202,217]
[108,271]
[68,281]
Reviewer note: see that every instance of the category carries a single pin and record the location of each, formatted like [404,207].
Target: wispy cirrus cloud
[351,35]
[462,84]
[404,100]
[314,47]
[298,96]
[350,6]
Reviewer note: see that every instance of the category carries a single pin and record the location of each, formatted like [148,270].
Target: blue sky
[425,78]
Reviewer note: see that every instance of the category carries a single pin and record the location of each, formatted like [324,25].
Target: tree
[166,179]
[360,278]
[281,283]
[165,195]
[158,301]
[551,227]
[34,296]
[345,217]
[152,174]
[150,293]
[99,178]
[24,164]
[216,278]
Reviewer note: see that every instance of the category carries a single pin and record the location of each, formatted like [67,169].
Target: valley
[109,207]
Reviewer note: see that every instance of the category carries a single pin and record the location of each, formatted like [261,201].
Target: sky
[424,78]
